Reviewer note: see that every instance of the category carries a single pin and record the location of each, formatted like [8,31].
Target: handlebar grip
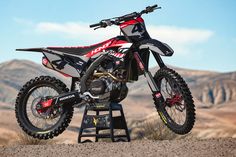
[154,6]
[95,25]
[151,8]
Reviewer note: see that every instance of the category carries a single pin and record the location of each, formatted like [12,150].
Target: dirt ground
[181,148]
[210,123]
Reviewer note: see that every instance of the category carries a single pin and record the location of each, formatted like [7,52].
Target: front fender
[156,46]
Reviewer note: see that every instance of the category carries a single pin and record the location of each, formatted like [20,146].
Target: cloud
[76,30]
[180,35]
[181,39]
[23,21]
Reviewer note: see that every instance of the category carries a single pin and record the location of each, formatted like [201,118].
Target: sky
[202,33]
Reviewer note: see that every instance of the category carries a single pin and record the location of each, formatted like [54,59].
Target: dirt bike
[99,73]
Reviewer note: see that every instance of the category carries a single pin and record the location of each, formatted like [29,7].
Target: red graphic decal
[79,46]
[64,74]
[45,61]
[131,22]
[158,95]
[116,43]
[99,49]
[118,55]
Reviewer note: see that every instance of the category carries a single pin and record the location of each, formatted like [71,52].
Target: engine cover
[97,87]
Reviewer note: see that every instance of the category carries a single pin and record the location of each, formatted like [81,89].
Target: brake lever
[97,27]
[152,9]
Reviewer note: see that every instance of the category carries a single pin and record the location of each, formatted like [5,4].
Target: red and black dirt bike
[99,73]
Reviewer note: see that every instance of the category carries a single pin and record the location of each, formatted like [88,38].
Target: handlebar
[117,20]
[127,16]
[103,23]
[95,25]
[150,9]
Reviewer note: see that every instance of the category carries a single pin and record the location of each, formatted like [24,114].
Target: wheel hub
[175,100]
[46,109]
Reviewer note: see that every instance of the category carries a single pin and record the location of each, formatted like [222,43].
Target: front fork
[151,82]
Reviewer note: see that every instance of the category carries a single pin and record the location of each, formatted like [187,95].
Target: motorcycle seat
[77,50]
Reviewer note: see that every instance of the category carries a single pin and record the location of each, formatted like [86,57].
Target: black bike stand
[97,122]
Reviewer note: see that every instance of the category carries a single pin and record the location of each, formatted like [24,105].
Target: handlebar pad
[123,18]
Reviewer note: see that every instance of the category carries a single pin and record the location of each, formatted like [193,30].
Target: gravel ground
[142,148]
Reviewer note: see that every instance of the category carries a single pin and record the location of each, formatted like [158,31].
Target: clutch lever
[98,27]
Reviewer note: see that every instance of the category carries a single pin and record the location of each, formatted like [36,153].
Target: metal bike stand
[97,122]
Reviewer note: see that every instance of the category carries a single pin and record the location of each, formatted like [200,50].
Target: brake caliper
[43,105]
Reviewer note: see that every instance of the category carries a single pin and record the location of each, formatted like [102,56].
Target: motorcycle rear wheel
[178,109]
[50,122]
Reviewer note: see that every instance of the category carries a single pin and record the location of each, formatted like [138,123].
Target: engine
[98,86]
[109,82]
[108,89]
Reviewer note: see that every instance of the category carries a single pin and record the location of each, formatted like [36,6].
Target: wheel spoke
[41,120]
[169,90]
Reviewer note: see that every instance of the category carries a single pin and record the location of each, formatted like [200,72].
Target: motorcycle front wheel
[177,110]
[47,122]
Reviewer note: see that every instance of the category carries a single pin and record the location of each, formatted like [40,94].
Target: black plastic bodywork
[156,46]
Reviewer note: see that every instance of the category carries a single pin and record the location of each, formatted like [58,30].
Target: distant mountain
[208,88]
[15,73]
[211,88]
[216,89]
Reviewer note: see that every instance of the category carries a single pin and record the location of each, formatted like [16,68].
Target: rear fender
[62,64]
[58,61]
[31,49]
[157,47]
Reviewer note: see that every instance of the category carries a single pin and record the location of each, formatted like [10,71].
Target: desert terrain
[183,148]
[214,95]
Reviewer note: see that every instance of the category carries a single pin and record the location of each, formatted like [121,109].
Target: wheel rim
[174,104]
[42,121]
